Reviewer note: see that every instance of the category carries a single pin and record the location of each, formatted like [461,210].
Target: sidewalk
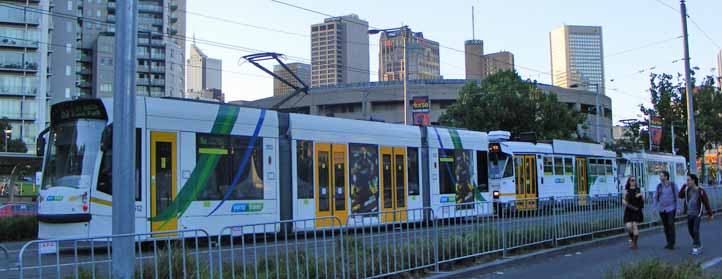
[597,261]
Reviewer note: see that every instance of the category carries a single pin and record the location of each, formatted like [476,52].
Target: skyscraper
[301,70]
[23,68]
[473,54]
[202,72]
[497,62]
[577,57]
[83,48]
[422,55]
[339,51]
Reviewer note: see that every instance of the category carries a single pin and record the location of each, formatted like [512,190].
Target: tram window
[558,166]
[105,174]
[446,170]
[568,166]
[482,171]
[304,169]
[230,151]
[412,154]
[509,168]
[548,166]
[608,167]
[681,170]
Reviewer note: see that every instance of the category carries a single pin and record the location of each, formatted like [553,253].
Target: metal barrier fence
[369,245]
[171,254]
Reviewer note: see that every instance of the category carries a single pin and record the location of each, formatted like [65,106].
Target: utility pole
[674,152]
[404,37]
[690,101]
[123,252]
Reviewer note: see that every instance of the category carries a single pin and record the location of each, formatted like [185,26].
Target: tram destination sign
[91,108]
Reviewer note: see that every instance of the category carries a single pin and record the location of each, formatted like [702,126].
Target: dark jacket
[702,196]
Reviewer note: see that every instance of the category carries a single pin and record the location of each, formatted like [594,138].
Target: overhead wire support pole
[123,252]
[690,98]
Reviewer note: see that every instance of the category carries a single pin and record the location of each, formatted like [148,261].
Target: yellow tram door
[330,185]
[163,162]
[582,180]
[526,184]
[532,194]
[393,184]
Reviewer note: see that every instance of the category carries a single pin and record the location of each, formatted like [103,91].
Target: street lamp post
[7,137]
[404,31]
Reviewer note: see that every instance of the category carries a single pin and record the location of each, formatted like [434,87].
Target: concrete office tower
[577,57]
[497,62]
[24,27]
[422,55]
[473,56]
[202,74]
[301,70]
[83,48]
[339,51]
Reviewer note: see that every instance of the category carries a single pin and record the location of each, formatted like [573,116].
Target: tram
[202,165]
[647,166]
[529,171]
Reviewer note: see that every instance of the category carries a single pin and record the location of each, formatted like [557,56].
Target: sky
[640,36]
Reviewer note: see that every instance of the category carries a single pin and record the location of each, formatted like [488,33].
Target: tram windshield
[72,154]
[500,165]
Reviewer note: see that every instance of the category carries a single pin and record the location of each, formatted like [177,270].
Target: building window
[106,87]
[67,70]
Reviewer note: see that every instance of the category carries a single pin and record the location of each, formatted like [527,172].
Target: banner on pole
[655,128]
[420,108]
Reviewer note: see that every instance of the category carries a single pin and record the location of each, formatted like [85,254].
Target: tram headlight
[496,195]
[85,202]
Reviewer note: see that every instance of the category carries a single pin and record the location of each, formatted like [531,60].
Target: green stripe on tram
[455,139]
[206,163]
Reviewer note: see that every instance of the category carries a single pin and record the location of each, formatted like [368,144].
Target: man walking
[666,198]
[694,198]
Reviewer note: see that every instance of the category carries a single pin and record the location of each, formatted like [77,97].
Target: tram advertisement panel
[364,174]
[464,188]
[420,108]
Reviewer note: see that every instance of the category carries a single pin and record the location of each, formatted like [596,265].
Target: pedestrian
[633,203]
[666,198]
[694,198]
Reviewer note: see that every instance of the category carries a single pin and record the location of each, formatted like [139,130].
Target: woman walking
[633,203]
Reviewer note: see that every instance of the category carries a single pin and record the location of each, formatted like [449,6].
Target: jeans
[668,223]
[693,227]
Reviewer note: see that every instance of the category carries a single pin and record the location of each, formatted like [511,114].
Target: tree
[14,145]
[503,101]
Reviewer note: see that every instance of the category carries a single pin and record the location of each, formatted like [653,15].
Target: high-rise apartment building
[339,51]
[83,48]
[301,70]
[473,57]
[422,55]
[577,57]
[497,62]
[24,27]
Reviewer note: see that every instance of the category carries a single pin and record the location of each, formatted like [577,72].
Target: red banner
[420,108]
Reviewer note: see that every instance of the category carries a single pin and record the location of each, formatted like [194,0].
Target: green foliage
[14,145]
[653,269]
[18,228]
[669,101]
[504,101]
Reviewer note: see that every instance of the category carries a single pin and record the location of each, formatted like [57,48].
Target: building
[497,62]
[83,48]
[339,51]
[382,101]
[301,70]
[577,57]
[24,27]
[203,76]
[473,57]
[619,132]
[422,55]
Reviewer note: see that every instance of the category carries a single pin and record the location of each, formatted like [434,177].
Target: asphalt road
[596,262]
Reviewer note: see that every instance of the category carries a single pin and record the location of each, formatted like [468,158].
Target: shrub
[653,269]
[18,228]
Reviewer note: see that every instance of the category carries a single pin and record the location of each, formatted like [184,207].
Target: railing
[368,245]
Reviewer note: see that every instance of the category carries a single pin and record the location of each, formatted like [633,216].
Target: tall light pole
[7,137]
[404,36]
[690,102]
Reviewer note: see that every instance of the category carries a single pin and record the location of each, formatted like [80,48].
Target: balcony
[18,66]
[83,84]
[111,6]
[12,15]
[158,82]
[173,5]
[173,18]
[6,41]
[142,68]
[17,91]
[157,69]
[142,81]
[83,71]
[146,8]
[154,42]
[83,57]
[150,21]
[111,18]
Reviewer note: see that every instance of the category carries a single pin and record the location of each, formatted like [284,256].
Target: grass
[653,269]
[18,228]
